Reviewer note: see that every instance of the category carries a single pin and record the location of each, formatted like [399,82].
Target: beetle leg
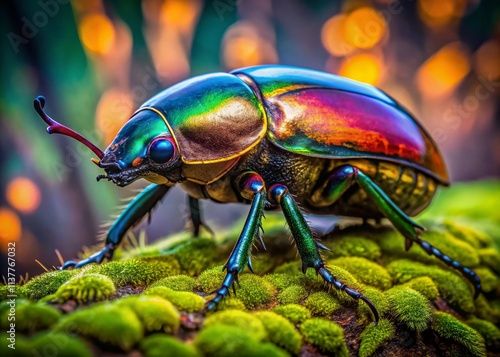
[143,203]
[345,176]
[307,246]
[251,187]
[195,215]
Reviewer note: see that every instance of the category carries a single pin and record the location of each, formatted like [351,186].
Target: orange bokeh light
[438,13]
[443,71]
[363,67]
[97,33]
[331,36]
[180,13]
[23,195]
[114,109]
[10,227]
[364,28]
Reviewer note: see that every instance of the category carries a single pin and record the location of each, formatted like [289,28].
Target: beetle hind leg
[251,187]
[307,246]
[345,176]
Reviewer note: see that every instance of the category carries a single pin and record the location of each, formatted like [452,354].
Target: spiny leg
[307,246]
[345,176]
[196,216]
[141,205]
[251,187]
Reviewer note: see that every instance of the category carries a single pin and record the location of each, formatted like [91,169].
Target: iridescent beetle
[274,137]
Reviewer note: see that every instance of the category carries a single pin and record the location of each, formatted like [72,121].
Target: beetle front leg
[307,246]
[345,176]
[141,205]
[251,187]
[196,217]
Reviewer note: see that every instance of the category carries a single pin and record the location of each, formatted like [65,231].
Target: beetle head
[143,148]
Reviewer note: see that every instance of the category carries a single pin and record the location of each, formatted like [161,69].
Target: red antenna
[56,128]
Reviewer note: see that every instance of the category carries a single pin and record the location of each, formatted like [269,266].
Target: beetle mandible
[275,137]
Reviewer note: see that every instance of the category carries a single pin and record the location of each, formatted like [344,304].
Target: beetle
[275,137]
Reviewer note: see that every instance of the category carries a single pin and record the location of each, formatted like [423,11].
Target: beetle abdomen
[323,115]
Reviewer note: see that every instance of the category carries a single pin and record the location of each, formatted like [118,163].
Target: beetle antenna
[56,128]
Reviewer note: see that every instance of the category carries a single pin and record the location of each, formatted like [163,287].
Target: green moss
[409,307]
[378,299]
[255,291]
[154,312]
[489,331]
[453,288]
[210,280]
[375,336]
[353,246]
[268,350]
[223,340]
[491,258]
[47,283]
[196,255]
[231,303]
[322,304]
[365,271]
[280,331]
[347,278]
[292,294]
[137,271]
[448,327]
[183,300]
[109,323]
[240,319]
[282,280]
[177,283]
[157,346]
[6,290]
[489,281]
[290,268]
[86,288]
[486,310]
[29,316]
[467,234]
[58,344]
[293,312]
[425,286]
[326,335]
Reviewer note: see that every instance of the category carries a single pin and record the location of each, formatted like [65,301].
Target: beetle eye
[161,151]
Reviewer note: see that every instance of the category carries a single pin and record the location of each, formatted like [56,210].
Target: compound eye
[161,150]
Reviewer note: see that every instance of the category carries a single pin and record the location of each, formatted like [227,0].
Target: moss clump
[489,331]
[293,312]
[47,283]
[375,336]
[137,271]
[453,287]
[177,283]
[255,291]
[347,278]
[231,303]
[489,281]
[448,327]
[326,335]
[378,299]
[183,300]
[409,307]
[425,286]
[280,331]
[240,319]
[196,255]
[86,288]
[223,340]
[365,271]
[322,304]
[282,280]
[160,345]
[210,280]
[353,246]
[109,323]
[57,343]
[491,258]
[155,313]
[30,316]
[292,294]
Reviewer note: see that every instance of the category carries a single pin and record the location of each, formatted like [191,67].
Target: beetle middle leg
[196,217]
[307,246]
[345,176]
[141,205]
[251,187]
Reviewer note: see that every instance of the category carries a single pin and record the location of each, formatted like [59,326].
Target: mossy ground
[148,301]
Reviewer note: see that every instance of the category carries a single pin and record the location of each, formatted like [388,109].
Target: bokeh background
[96,61]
